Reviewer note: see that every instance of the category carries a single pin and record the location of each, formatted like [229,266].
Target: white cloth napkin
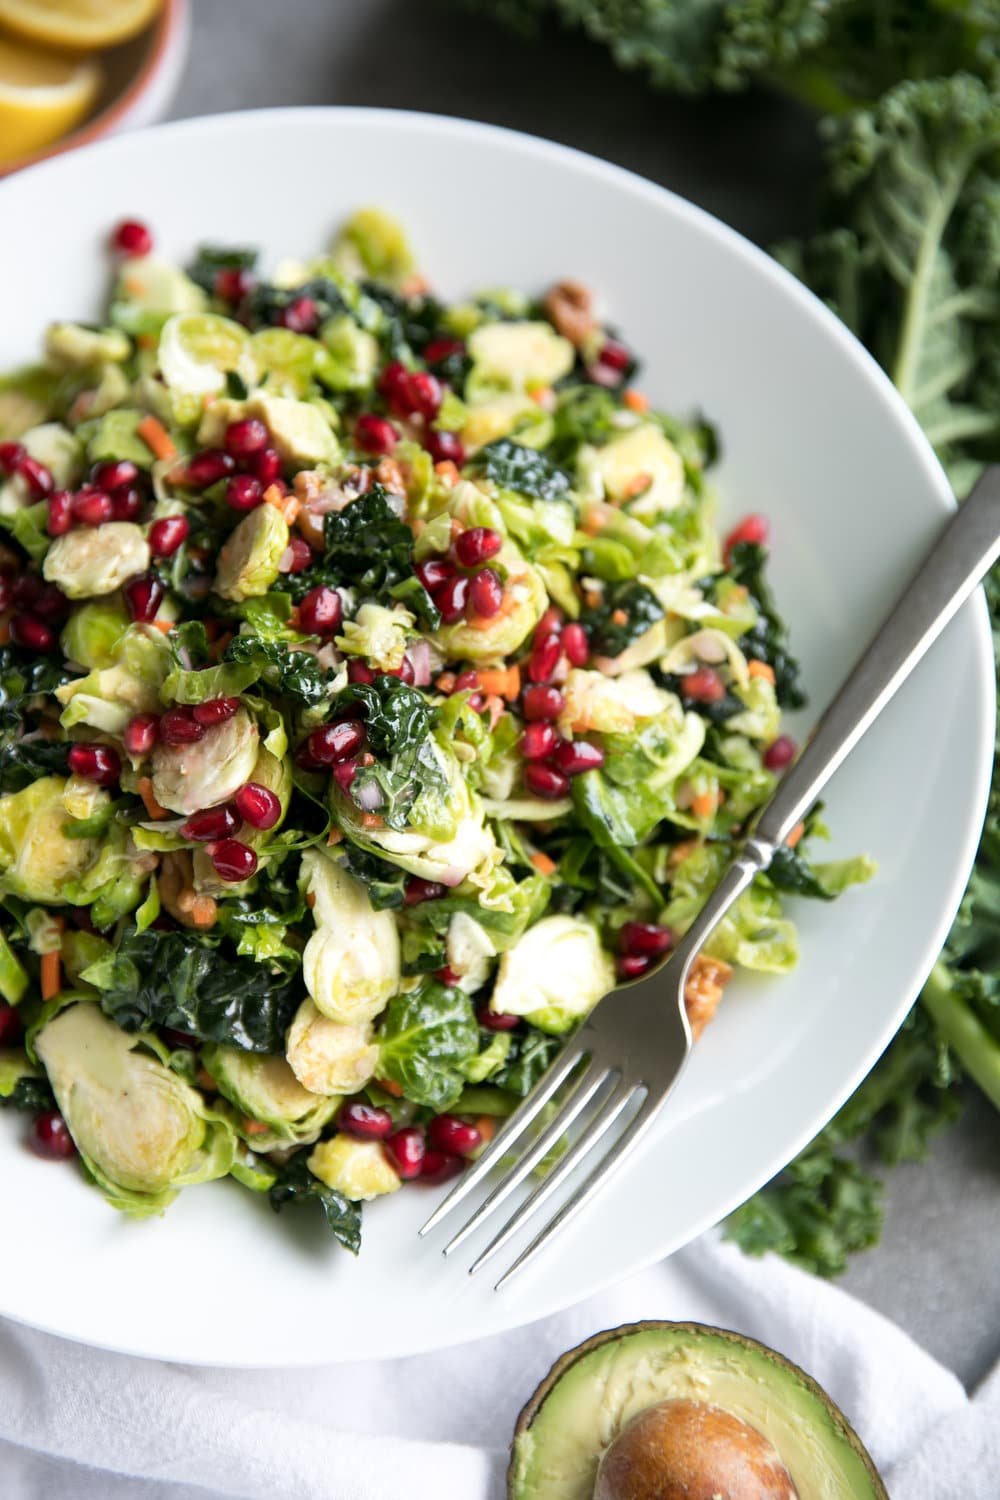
[79,1424]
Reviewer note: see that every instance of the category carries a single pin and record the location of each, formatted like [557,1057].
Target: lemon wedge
[80,25]
[42,96]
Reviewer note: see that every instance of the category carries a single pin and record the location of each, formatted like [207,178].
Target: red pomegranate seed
[11,1025]
[614,355]
[549,624]
[321,612]
[575,644]
[175,1039]
[244,492]
[51,604]
[644,939]
[434,573]
[166,535]
[92,507]
[25,590]
[703,685]
[11,454]
[442,348]
[143,596]
[452,598]
[391,383]
[631,965]
[485,594]
[49,1137]
[407,1149]
[141,734]
[99,763]
[265,466]
[544,658]
[545,781]
[755,528]
[207,468]
[246,437]
[445,447]
[232,284]
[374,434]
[365,1121]
[467,681]
[126,504]
[31,633]
[780,753]
[333,742]
[542,703]
[447,1133]
[257,805]
[301,316]
[357,671]
[233,861]
[117,475]
[296,557]
[477,545]
[36,476]
[438,1166]
[496,1020]
[424,394]
[344,773]
[418,890]
[215,711]
[538,741]
[447,976]
[574,757]
[131,237]
[212,824]
[178,726]
[404,671]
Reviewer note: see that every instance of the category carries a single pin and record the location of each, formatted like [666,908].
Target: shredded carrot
[680,852]
[310,900]
[414,285]
[795,835]
[619,617]
[255,1127]
[371,820]
[704,805]
[635,401]
[760,669]
[636,486]
[204,912]
[594,521]
[146,340]
[205,1080]
[447,470]
[504,682]
[487,1127]
[592,598]
[156,437]
[335,836]
[50,977]
[390,1086]
[543,864]
[445,683]
[144,786]
[544,396]
[166,626]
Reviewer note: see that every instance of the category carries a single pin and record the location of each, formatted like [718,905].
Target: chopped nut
[569,307]
[703,991]
[178,895]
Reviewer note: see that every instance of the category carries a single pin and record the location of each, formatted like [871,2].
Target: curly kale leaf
[297,1185]
[768,641]
[294,674]
[515,467]
[367,546]
[609,633]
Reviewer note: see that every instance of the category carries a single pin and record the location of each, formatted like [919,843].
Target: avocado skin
[694,1331]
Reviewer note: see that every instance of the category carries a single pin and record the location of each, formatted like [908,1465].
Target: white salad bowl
[814,435]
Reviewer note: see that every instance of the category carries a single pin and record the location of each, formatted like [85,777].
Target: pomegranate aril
[36,476]
[575,644]
[126,504]
[178,726]
[11,1025]
[442,348]
[544,658]
[51,604]
[357,671]
[265,466]
[406,1149]
[25,590]
[321,611]
[418,890]
[404,671]
[542,703]
[207,468]
[485,594]
[215,711]
[300,316]
[434,573]
[477,545]
[116,475]
[615,355]
[447,976]
[11,455]
[780,753]
[143,596]
[49,1137]
[550,624]
[232,284]
[333,742]
[344,773]
[92,507]
[448,1133]
[754,528]
[703,685]
[98,763]
[423,395]
[538,741]
[573,757]
[141,734]
[452,598]
[32,633]
[296,557]
[496,1020]
[374,434]
[246,437]
[644,939]
[244,492]
[445,447]
[467,681]
[364,1121]
[233,861]
[631,965]
[438,1166]
[214,823]
[131,237]
[545,781]
[166,535]
[257,805]
[392,381]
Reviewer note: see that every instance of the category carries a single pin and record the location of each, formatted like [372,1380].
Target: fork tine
[583,1090]
[556,1074]
[588,1189]
[588,1138]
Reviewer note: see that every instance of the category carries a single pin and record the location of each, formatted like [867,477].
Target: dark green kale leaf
[293,674]
[22,678]
[266,303]
[610,637]
[24,761]
[768,641]
[398,727]
[367,546]
[211,259]
[585,414]
[384,882]
[297,1185]
[32,1095]
[407,324]
[423,1037]
[514,467]
[530,1054]
[790,871]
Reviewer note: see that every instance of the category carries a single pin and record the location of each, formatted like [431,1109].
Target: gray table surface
[753,162]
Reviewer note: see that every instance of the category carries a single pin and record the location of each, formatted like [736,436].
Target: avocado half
[595,1390]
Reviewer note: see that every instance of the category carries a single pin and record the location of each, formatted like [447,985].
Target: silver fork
[626,1058]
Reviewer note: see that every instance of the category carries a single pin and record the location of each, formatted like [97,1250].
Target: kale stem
[976,1049]
[912,333]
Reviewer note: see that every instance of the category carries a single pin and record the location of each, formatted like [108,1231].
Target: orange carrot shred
[487,1127]
[543,864]
[156,437]
[795,835]
[635,401]
[390,1086]
[144,786]
[50,975]
[760,669]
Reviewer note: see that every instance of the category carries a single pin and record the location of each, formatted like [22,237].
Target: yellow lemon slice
[42,96]
[78,24]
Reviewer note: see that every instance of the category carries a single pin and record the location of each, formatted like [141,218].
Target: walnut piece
[703,991]
[569,307]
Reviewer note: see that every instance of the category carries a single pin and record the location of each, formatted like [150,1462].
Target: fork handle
[960,558]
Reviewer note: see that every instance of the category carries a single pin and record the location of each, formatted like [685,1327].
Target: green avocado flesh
[594,1391]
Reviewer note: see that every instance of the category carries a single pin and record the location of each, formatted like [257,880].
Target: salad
[375,694]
